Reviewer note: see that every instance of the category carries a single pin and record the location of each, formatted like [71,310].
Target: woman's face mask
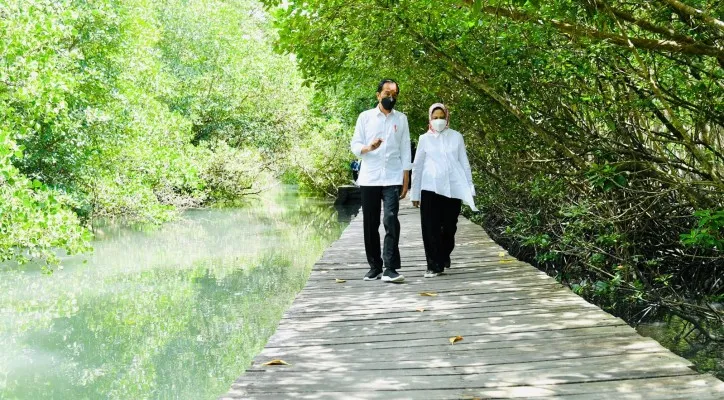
[438,124]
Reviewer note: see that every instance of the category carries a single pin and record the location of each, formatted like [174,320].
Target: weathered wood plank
[488,366]
[350,299]
[430,364]
[309,339]
[423,338]
[483,320]
[512,305]
[371,380]
[445,352]
[434,312]
[668,387]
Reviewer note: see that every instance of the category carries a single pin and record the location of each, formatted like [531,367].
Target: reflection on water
[176,312]
[676,335]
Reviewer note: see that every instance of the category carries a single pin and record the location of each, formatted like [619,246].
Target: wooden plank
[370,380]
[423,338]
[354,303]
[509,305]
[512,305]
[538,360]
[370,316]
[490,318]
[359,287]
[444,352]
[436,330]
[485,366]
[669,387]
[524,334]
[302,339]
[433,347]
[456,297]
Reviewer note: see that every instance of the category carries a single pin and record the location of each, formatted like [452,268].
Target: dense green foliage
[594,127]
[134,109]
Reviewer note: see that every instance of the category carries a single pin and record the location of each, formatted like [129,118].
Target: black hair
[382,85]
[438,108]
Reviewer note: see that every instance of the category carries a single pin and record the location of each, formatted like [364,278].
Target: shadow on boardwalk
[524,335]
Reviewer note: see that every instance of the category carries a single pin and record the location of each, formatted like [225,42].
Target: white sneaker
[431,274]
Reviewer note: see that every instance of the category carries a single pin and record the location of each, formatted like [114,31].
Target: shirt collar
[379,112]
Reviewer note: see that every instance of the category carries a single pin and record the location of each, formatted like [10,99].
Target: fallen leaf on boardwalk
[428,294]
[501,254]
[420,309]
[455,339]
[340,280]
[506,261]
[276,362]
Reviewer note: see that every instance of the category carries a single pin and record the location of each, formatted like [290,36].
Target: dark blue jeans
[372,197]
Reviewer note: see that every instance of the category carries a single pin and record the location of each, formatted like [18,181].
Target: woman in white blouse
[441,182]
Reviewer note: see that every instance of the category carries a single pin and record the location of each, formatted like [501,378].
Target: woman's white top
[441,166]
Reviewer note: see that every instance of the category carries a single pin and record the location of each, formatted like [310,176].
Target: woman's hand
[416,204]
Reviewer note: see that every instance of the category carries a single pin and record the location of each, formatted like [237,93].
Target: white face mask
[438,124]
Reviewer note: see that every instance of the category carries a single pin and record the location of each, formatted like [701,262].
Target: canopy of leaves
[594,127]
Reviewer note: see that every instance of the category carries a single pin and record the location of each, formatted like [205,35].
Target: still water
[175,312]
[675,334]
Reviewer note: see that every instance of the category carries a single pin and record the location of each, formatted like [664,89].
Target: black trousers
[372,197]
[439,216]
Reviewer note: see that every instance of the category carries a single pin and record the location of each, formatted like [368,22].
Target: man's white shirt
[384,165]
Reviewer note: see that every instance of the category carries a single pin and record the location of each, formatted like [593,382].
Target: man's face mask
[388,103]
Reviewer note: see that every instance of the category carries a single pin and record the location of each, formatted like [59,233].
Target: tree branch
[467,77]
[696,13]
[578,31]
[643,24]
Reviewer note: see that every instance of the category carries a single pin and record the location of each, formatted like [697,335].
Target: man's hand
[416,204]
[405,184]
[373,146]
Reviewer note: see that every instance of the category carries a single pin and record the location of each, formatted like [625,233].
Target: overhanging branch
[578,31]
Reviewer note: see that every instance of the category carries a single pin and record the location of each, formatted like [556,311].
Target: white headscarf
[429,116]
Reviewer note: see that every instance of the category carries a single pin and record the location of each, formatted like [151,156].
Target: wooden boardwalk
[524,335]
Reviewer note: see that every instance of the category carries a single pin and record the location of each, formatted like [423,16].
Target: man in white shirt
[382,140]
